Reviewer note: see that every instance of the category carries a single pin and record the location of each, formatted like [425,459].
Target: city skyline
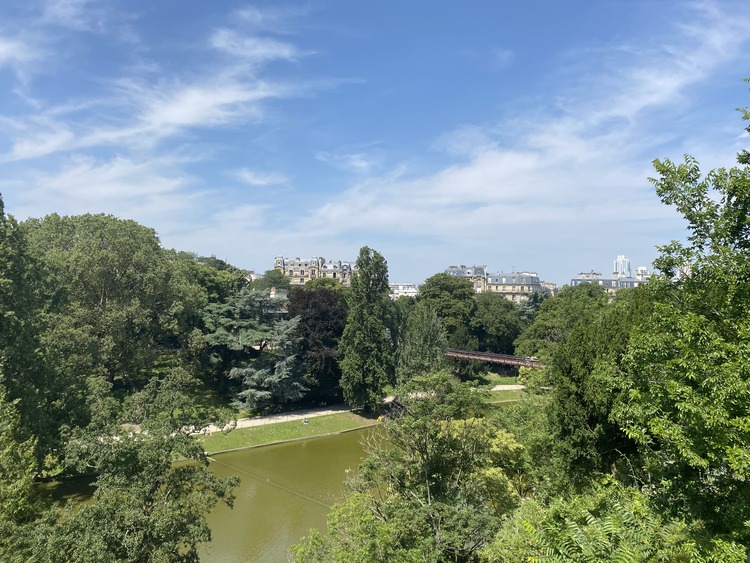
[516,135]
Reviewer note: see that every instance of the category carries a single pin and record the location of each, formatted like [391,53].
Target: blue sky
[518,135]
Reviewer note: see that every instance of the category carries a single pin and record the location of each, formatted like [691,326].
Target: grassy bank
[280,431]
[502,396]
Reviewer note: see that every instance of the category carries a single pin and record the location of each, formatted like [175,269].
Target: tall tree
[322,312]
[367,342]
[424,343]
[453,300]
[25,378]
[146,507]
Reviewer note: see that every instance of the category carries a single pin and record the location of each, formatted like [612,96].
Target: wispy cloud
[78,15]
[254,178]
[578,171]
[144,189]
[253,49]
[356,162]
[275,20]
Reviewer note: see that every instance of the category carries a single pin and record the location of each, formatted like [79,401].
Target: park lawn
[280,431]
[490,379]
[503,396]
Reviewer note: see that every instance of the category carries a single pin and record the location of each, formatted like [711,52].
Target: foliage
[496,323]
[688,394]
[109,278]
[424,342]
[19,503]
[367,341]
[452,298]
[322,312]
[587,380]
[553,325]
[146,507]
[608,523]
[272,279]
[276,377]
[434,493]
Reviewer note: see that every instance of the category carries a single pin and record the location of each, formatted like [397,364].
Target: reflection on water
[286,489]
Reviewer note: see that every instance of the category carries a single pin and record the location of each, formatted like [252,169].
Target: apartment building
[515,286]
[302,270]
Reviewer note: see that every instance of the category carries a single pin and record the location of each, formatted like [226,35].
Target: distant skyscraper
[622,267]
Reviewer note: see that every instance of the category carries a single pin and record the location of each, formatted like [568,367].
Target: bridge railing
[504,359]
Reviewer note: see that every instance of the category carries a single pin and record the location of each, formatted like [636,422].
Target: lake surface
[286,489]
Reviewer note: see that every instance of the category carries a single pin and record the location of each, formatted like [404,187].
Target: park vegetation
[633,444]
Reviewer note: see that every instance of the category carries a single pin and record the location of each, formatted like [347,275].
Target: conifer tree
[367,343]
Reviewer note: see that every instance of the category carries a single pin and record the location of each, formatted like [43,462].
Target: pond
[286,489]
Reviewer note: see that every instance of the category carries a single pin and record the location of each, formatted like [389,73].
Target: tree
[496,322]
[272,279]
[146,507]
[609,522]
[586,376]
[453,300]
[25,378]
[19,502]
[236,330]
[687,401]
[367,341]
[322,312]
[110,294]
[276,377]
[424,343]
[434,493]
[553,325]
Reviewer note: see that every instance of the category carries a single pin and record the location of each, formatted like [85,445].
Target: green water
[286,489]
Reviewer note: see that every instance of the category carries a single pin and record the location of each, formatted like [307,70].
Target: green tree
[322,312]
[276,377]
[553,325]
[496,322]
[111,301]
[146,507]
[435,492]
[424,343]
[236,330]
[586,375]
[367,341]
[453,300]
[272,279]
[25,378]
[688,396]
[19,501]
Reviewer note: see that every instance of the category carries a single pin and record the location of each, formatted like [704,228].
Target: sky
[517,135]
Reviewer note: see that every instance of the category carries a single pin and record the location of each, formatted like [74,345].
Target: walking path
[508,388]
[310,413]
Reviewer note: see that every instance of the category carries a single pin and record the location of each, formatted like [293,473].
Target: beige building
[300,271]
[477,275]
[516,286]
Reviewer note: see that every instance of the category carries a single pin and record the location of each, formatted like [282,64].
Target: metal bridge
[505,359]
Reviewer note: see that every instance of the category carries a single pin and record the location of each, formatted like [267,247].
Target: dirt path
[508,388]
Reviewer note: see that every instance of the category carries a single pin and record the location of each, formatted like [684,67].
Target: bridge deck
[504,359]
